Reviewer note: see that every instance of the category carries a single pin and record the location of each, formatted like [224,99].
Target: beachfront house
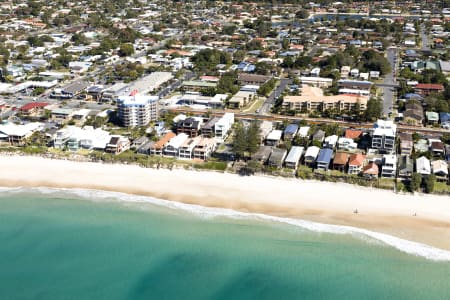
[173,146]
[263,154]
[423,166]
[324,158]
[187,148]
[18,134]
[370,171]
[405,166]
[355,163]
[311,155]
[293,158]
[389,166]
[340,161]
[117,144]
[158,147]
[274,138]
[440,169]
[277,157]
[204,148]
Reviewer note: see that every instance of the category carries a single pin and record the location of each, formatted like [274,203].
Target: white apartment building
[137,110]
[383,137]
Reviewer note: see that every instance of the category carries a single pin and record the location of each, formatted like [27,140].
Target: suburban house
[290,131]
[33,108]
[424,89]
[389,166]
[405,166]
[432,117]
[223,126]
[437,147]
[189,126]
[445,120]
[277,157]
[117,144]
[423,166]
[274,138]
[319,136]
[340,161]
[61,114]
[303,131]
[324,158]
[413,114]
[370,171]
[311,155]
[253,79]
[347,144]
[406,143]
[353,134]
[207,129]
[330,141]
[293,158]
[355,163]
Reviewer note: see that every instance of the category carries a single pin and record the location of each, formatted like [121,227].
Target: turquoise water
[57,245]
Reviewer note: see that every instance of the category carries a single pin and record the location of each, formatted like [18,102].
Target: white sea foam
[409,247]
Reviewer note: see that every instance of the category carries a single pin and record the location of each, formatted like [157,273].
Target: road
[389,81]
[280,118]
[424,37]
[267,105]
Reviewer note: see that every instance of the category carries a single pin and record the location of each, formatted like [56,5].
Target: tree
[239,141]
[430,180]
[126,50]
[416,180]
[302,14]
[253,138]
[374,109]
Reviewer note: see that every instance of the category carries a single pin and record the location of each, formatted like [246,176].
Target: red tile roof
[33,105]
[353,133]
[356,159]
[429,86]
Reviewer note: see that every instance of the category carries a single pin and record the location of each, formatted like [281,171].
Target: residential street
[389,82]
[267,105]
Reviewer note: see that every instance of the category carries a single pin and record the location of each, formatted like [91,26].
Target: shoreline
[323,202]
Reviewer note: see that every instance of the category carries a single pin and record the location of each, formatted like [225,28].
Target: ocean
[80,244]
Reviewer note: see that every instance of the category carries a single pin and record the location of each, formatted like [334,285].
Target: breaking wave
[406,246]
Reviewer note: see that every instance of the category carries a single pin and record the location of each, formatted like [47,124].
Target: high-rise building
[137,110]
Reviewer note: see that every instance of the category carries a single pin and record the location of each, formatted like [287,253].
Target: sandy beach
[419,218]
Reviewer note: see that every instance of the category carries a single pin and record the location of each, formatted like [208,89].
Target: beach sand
[325,202]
